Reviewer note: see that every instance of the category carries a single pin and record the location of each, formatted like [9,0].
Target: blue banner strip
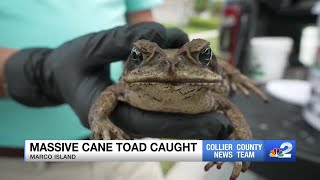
[249,150]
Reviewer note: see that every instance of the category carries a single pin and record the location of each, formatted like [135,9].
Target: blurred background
[275,42]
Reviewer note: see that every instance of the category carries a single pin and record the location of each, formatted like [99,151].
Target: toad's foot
[241,131]
[100,124]
[238,81]
[242,82]
[237,168]
[106,130]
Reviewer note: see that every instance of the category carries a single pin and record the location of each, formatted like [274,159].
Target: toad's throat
[190,98]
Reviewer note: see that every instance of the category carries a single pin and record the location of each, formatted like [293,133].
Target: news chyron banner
[161,150]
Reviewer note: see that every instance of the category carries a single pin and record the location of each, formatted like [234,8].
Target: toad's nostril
[173,65]
[172,68]
[176,63]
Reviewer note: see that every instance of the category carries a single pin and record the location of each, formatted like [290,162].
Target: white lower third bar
[113,150]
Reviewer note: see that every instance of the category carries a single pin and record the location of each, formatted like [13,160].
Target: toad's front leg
[100,124]
[241,127]
[241,131]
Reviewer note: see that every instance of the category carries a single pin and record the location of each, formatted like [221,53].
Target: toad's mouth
[191,82]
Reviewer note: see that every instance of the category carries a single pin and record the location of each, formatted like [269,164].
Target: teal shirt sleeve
[138,5]
[49,23]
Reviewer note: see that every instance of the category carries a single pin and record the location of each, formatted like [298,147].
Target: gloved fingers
[176,38]
[88,91]
[25,84]
[171,125]
[116,44]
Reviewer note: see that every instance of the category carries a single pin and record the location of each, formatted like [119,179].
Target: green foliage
[188,29]
[214,45]
[211,23]
[200,5]
[166,166]
[216,7]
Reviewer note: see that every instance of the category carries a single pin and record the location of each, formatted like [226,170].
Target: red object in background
[245,19]
[230,30]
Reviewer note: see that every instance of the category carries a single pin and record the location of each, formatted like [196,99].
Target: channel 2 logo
[280,150]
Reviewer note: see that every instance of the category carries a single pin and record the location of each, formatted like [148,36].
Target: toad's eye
[136,56]
[205,56]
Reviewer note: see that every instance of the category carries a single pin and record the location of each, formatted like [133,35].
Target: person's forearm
[5,53]
[140,16]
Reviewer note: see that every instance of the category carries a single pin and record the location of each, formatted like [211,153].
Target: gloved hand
[75,73]
[171,125]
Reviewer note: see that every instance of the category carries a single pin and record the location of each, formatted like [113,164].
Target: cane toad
[188,80]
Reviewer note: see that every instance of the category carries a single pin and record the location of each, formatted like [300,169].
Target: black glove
[75,73]
[175,38]
[171,125]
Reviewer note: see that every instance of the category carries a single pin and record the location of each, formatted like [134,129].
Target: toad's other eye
[205,56]
[136,56]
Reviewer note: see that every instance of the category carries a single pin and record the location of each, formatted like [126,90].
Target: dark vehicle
[244,19]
